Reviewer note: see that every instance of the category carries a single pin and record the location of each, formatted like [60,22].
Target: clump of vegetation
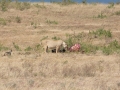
[111,5]
[4,4]
[101,33]
[84,1]
[22,5]
[28,48]
[3,47]
[39,6]
[55,38]
[18,19]
[101,16]
[51,22]
[117,13]
[65,2]
[69,40]
[118,2]
[113,47]
[38,48]
[2,21]
[88,47]
[16,47]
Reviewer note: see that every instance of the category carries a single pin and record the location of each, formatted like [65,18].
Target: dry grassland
[34,70]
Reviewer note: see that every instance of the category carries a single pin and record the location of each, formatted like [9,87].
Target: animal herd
[55,46]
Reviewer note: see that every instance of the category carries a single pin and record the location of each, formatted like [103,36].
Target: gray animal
[8,53]
[53,44]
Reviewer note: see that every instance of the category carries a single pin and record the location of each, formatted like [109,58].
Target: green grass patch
[56,38]
[89,48]
[16,47]
[28,48]
[51,22]
[2,48]
[101,33]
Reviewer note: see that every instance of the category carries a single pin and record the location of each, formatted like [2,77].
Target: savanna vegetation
[95,26]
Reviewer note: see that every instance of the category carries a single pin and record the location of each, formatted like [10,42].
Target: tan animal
[53,45]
